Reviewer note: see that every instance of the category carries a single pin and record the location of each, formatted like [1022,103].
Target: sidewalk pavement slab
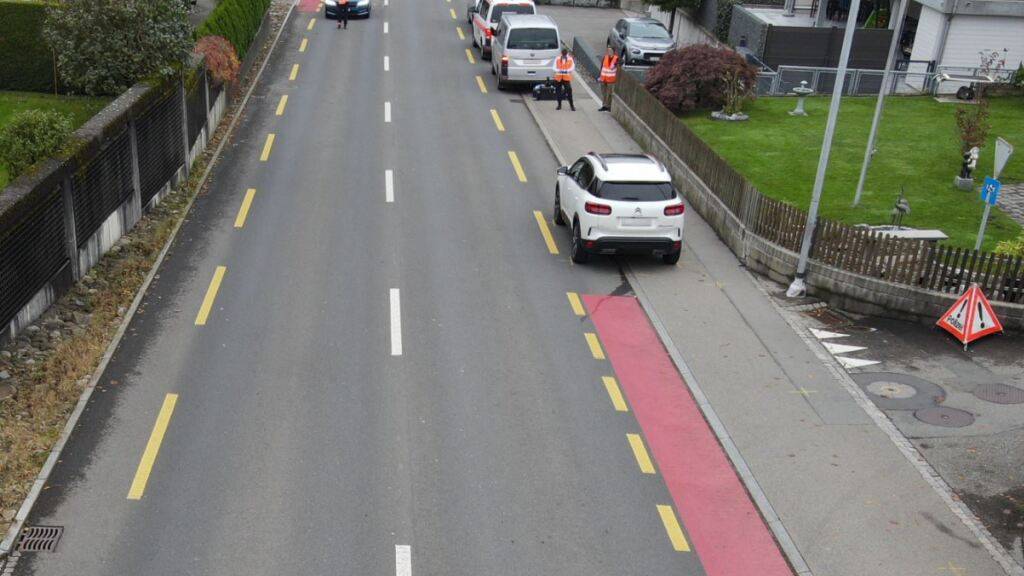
[851,500]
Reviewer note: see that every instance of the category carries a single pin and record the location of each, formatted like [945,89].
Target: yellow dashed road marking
[281,105]
[640,452]
[675,533]
[595,346]
[497,120]
[211,296]
[267,147]
[545,232]
[615,394]
[469,56]
[243,211]
[518,167]
[480,83]
[156,437]
[576,303]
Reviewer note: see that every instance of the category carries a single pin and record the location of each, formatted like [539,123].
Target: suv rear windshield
[497,11]
[637,191]
[533,39]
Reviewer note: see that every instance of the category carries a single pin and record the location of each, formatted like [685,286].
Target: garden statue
[970,163]
[899,210]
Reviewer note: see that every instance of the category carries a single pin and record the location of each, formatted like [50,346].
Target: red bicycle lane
[725,529]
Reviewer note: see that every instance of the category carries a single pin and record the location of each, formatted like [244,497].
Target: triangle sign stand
[970,317]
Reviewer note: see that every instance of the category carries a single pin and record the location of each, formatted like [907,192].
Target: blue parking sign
[990,190]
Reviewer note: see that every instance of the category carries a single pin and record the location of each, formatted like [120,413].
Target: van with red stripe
[488,15]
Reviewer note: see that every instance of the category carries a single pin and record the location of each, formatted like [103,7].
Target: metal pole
[988,206]
[984,222]
[886,78]
[798,288]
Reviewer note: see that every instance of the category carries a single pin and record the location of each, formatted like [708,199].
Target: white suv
[619,203]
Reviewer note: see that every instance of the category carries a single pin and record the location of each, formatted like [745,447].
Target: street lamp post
[798,287]
[886,78]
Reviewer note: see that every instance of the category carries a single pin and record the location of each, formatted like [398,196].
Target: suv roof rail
[656,162]
[600,160]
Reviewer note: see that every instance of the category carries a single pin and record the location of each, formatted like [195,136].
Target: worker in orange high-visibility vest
[609,73]
[564,67]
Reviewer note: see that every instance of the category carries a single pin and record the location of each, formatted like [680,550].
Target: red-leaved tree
[221,60]
[700,76]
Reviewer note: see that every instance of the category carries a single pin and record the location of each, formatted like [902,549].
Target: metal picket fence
[46,225]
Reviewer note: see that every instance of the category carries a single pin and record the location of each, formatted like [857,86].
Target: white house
[951,33]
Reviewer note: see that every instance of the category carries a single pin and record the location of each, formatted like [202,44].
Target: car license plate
[655,58]
[636,222]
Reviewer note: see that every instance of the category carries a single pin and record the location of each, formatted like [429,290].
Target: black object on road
[545,91]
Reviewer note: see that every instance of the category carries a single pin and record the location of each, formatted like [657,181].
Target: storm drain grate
[999,394]
[39,538]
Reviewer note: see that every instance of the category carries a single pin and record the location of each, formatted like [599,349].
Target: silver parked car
[640,41]
[524,49]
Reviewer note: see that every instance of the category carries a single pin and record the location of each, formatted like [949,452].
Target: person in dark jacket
[343,13]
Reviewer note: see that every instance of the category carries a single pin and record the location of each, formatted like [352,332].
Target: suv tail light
[595,208]
[488,33]
[504,65]
[675,210]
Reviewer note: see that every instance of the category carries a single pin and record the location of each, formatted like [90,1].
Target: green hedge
[236,20]
[26,62]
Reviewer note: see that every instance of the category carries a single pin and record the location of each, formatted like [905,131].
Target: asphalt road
[310,433]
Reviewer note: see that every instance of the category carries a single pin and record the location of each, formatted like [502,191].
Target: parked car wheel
[558,217]
[672,257]
[578,254]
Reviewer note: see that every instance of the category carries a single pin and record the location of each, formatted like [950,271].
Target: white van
[487,16]
[524,49]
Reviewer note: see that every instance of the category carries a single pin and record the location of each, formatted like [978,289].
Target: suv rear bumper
[630,245]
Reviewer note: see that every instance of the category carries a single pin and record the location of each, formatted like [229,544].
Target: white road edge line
[385,26]
[403,560]
[389,186]
[387,112]
[44,473]
[387,64]
[396,322]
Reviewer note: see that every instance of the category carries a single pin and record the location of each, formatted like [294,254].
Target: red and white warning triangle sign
[971,317]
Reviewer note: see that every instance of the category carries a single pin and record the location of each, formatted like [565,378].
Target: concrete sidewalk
[852,494]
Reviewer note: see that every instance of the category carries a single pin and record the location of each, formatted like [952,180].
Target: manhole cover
[887,389]
[946,417]
[39,538]
[999,394]
[895,391]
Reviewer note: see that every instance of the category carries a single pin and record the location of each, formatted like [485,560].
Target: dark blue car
[356,9]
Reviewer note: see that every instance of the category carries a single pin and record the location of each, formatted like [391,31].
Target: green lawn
[80,108]
[917,149]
